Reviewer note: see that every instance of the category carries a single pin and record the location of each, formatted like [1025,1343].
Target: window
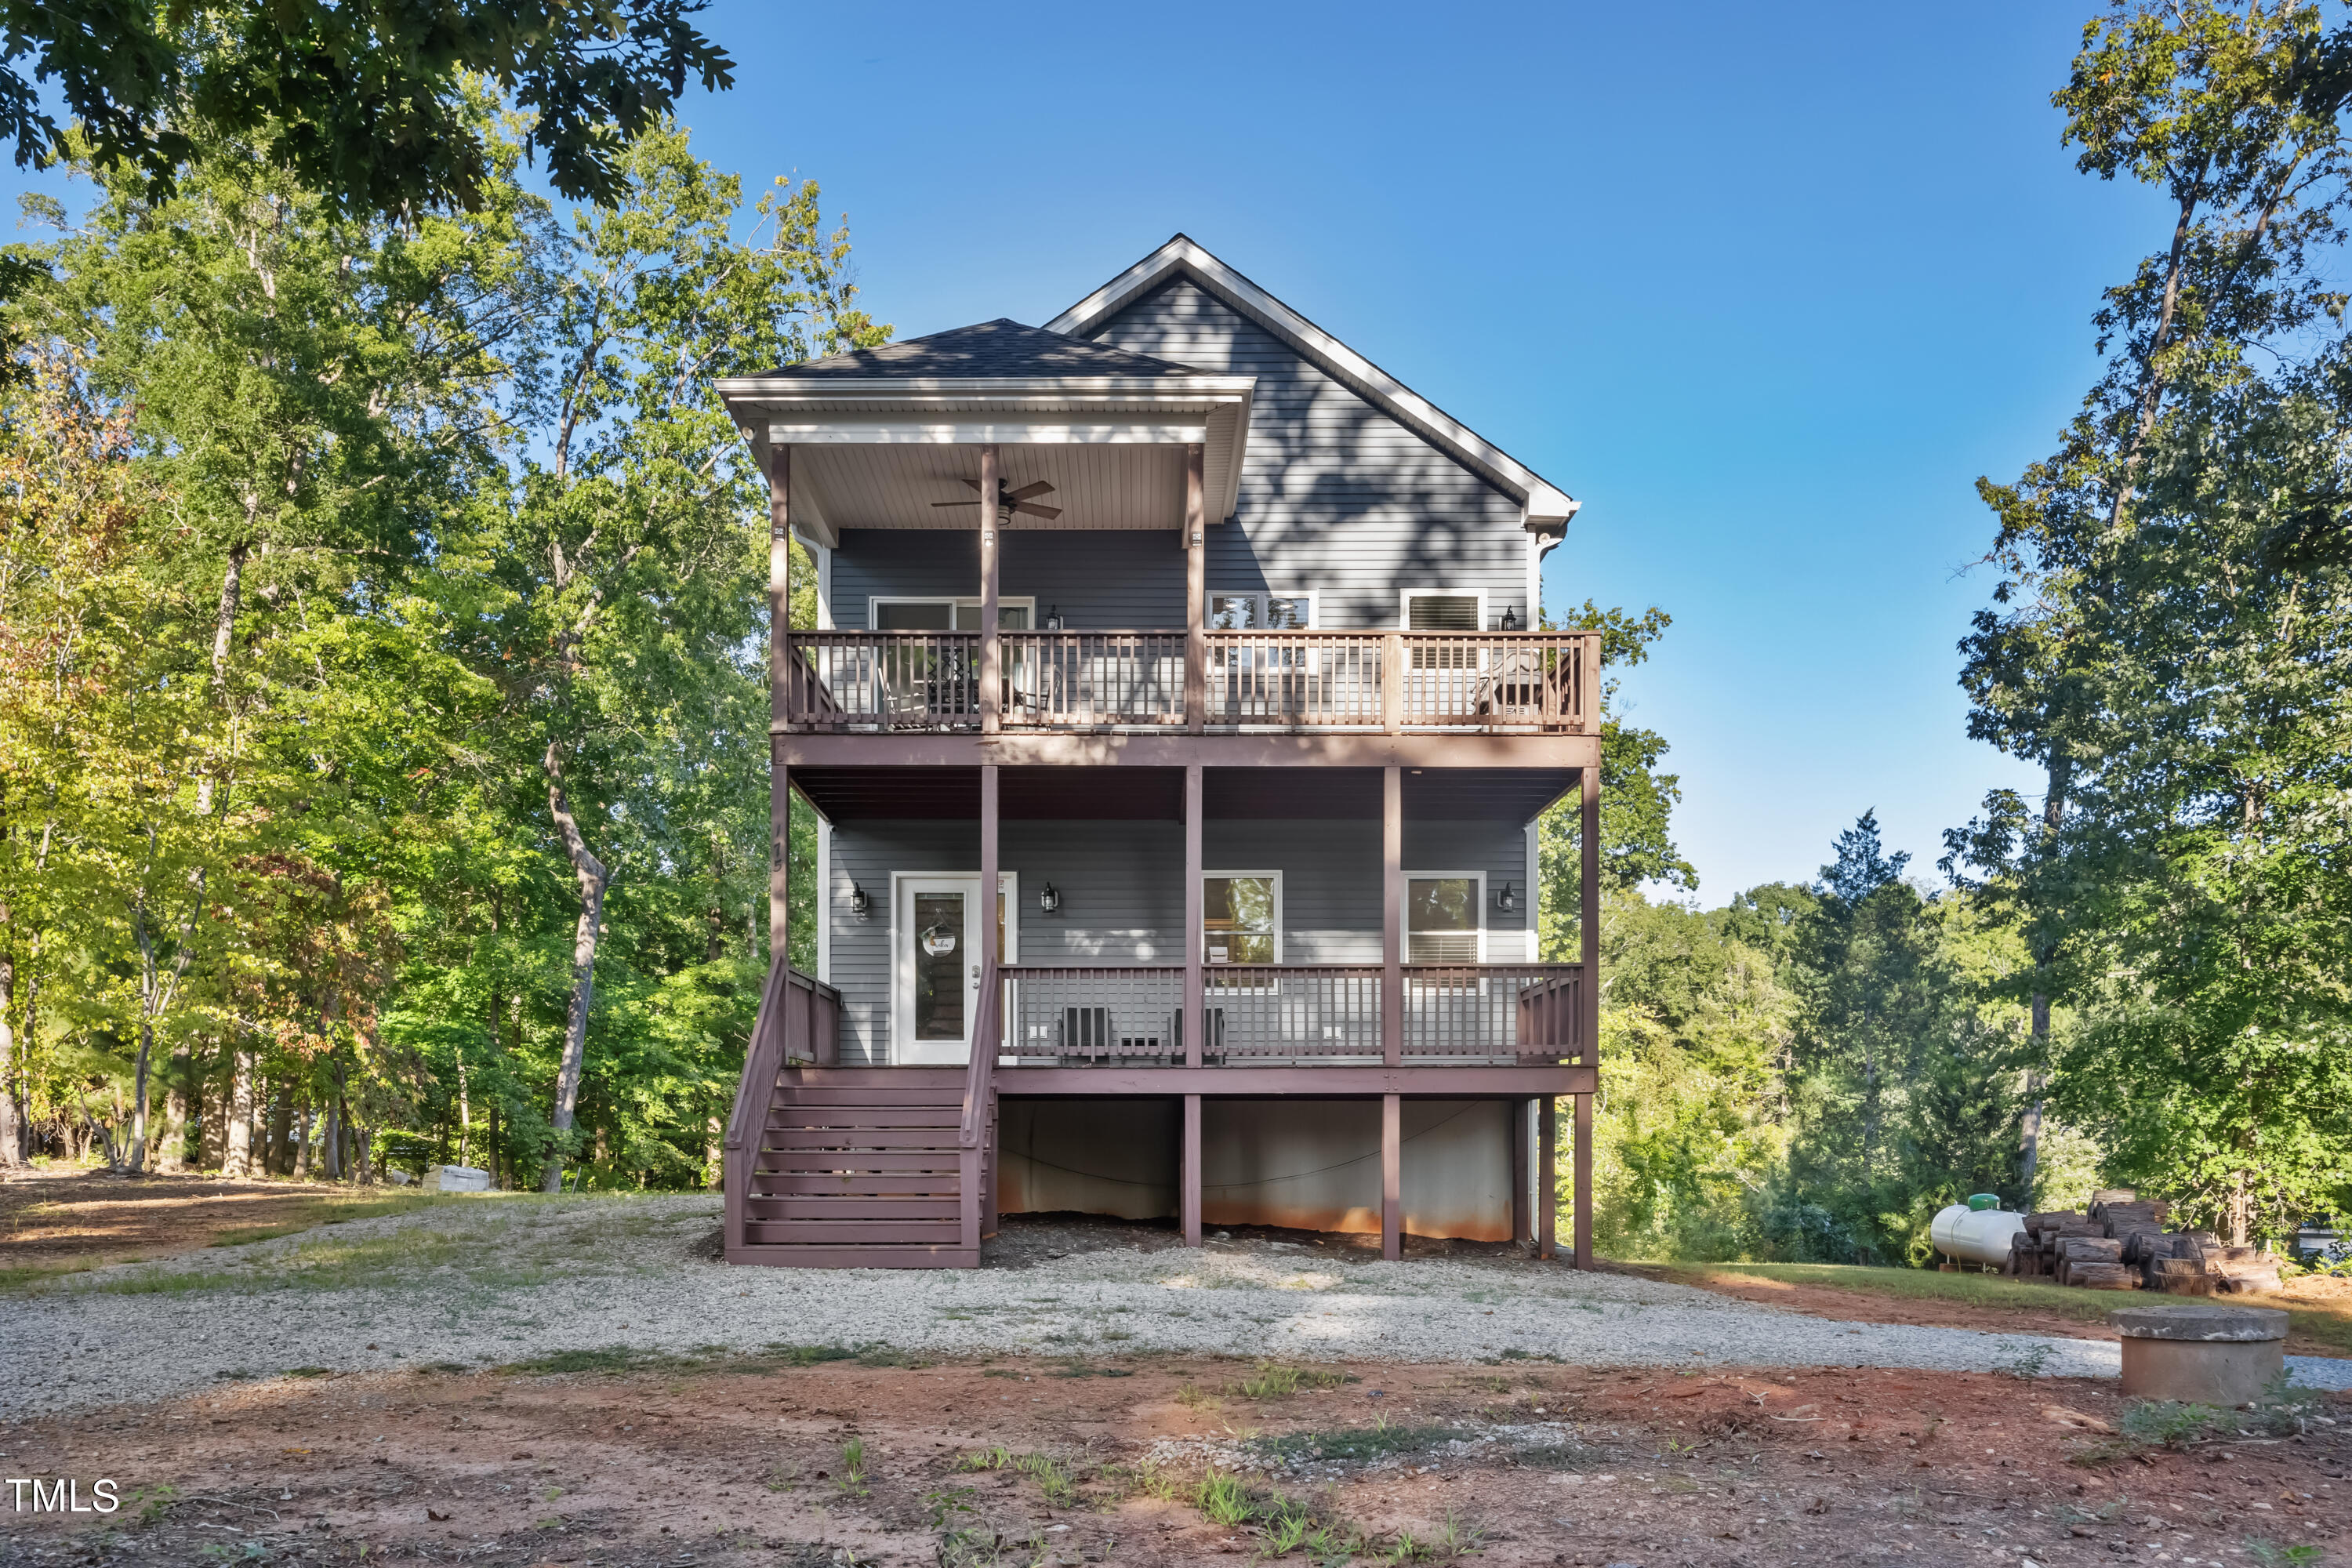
[1443,610]
[1243,917]
[946,614]
[1260,612]
[1442,912]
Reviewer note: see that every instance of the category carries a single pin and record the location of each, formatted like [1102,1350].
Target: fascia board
[1541,499]
[1171,387]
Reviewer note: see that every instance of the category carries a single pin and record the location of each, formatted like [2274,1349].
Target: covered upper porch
[1001,429]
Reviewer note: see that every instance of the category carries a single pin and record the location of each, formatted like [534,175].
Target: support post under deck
[1588,999]
[1391,1178]
[1548,1179]
[1189,1177]
[1391,915]
[1521,1117]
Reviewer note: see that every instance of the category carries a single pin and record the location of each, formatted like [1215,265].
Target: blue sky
[1766,288]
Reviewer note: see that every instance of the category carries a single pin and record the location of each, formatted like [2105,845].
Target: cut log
[2100,1277]
[2092,1249]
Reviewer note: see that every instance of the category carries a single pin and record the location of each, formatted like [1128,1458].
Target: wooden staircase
[834,1167]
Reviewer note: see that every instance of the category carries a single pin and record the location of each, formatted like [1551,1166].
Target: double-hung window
[1250,610]
[1242,921]
[947,615]
[1443,913]
[1443,610]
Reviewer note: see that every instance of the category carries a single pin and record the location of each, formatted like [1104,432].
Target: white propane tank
[1974,1234]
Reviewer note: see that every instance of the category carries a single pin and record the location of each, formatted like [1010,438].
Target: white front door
[935,952]
[939,967]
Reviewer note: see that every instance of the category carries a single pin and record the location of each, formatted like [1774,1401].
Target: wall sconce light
[1506,900]
[1054,619]
[1049,898]
[1510,619]
[859,904]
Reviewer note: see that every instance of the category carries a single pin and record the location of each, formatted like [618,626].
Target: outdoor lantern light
[1049,898]
[1510,624]
[858,902]
[1054,619]
[1506,901]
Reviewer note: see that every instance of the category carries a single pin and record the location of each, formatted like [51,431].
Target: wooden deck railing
[1479,682]
[1082,1015]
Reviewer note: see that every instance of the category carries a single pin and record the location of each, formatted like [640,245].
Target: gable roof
[1547,506]
[1001,348]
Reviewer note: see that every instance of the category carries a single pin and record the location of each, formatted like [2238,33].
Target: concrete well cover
[2230,1325]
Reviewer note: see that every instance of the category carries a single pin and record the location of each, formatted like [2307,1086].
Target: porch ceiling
[1157,794]
[1097,485]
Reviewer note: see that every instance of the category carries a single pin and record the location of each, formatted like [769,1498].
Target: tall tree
[632,595]
[2165,605]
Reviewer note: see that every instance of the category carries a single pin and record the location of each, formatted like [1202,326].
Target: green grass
[2330,1325]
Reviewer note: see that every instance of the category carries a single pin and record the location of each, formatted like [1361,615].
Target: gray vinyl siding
[1335,495]
[1101,579]
[1123,895]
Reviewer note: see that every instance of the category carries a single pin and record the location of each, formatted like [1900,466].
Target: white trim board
[1546,506]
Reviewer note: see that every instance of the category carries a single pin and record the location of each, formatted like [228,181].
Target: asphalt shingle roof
[998,348]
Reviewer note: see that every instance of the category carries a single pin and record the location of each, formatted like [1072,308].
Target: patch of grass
[883,1355]
[1052,1478]
[1223,1497]
[1353,1444]
[1271,1380]
[612,1358]
[309,1372]
[992,1459]
[1452,1539]
[853,1467]
[25,1277]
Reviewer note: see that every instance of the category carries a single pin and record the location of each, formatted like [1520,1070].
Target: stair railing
[762,1061]
[979,1083]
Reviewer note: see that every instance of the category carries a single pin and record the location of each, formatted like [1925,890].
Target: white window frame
[1405,597]
[1009,881]
[1405,909]
[874,603]
[1314,602]
[1276,876]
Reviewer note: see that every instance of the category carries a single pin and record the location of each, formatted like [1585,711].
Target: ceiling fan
[1014,501]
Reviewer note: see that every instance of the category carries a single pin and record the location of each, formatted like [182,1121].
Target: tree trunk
[302,1141]
[11,1153]
[236,1153]
[331,1143]
[281,1131]
[594,879]
[714,1150]
[173,1156]
[498,1181]
[2029,1152]
[465,1110]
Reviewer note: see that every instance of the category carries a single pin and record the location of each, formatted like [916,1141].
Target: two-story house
[1177,717]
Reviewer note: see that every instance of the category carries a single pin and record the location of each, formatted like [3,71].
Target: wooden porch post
[986,957]
[1195,921]
[1391,916]
[1588,1002]
[1546,1179]
[780,781]
[1196,593]
[1187,1202]
[1520,1118]
[1391,1178]
[992,692]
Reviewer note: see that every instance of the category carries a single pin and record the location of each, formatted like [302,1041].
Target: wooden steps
[862,1168]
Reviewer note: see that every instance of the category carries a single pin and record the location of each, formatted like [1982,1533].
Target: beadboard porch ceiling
[879,453]
[1157,794]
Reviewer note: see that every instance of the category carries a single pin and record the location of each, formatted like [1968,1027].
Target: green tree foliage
[2168,633]
[362,580]
[362,103]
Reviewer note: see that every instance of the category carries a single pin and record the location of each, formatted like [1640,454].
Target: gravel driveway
[507,1278]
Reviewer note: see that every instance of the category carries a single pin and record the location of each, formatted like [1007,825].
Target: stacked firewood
[2121,1245]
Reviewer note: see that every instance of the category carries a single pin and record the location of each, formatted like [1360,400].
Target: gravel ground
[508,1278]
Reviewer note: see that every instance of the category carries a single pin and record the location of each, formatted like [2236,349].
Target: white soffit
[1547,507]
[1097,485]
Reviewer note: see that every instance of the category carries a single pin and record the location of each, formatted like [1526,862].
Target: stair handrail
[764,1058]
[979,1074]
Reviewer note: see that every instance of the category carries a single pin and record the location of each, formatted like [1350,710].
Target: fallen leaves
[2060,1415]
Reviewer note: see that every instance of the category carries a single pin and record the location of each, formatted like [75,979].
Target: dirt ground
[1873,1307]
[58,1215]
[732,1466]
